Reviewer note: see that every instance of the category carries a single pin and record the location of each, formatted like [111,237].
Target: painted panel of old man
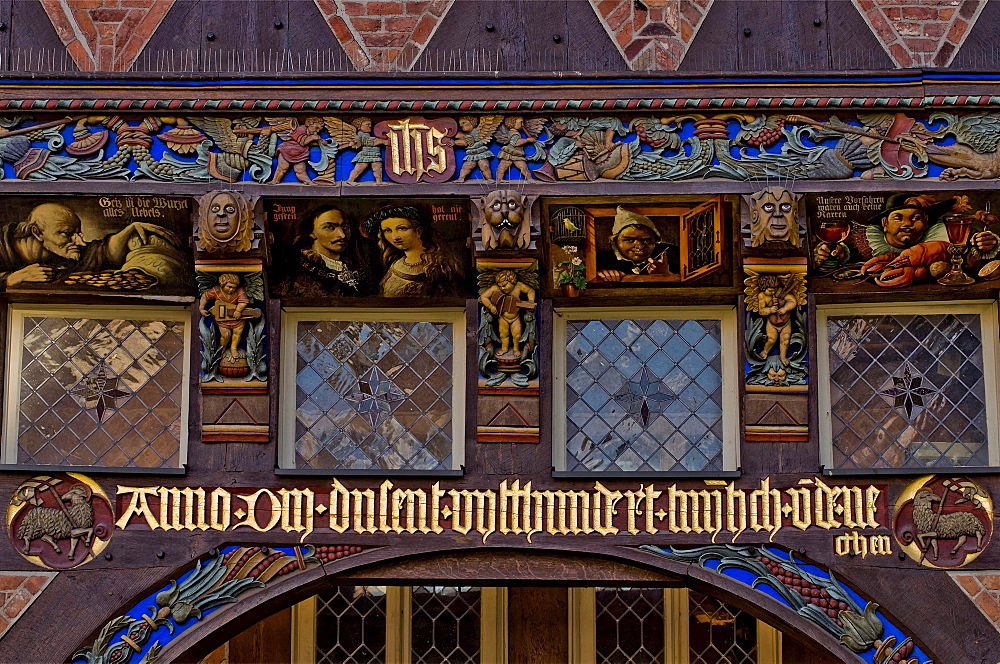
[109,244]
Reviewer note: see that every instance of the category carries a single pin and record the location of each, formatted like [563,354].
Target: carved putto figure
[476,137]
[774,318]
[507,333]
[225,300]
[225,222]
[775,298]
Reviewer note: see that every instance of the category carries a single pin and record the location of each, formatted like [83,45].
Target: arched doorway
[512,607]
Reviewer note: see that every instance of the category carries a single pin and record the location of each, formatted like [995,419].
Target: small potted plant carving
[570,273]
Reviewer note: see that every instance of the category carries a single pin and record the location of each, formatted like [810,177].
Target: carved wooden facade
[730,335]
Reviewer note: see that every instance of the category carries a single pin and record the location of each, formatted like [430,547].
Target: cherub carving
[225,222]
[513,134]
[774,298]
[224,300]
[475,137]
[507,333]
[293,151]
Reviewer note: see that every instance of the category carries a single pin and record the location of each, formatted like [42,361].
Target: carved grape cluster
[331,553]
[767,137]
[640,131]
[809,591]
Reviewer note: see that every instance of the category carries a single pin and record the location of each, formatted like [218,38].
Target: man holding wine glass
[907,235]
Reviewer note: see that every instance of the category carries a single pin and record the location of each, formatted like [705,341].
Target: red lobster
[909,266]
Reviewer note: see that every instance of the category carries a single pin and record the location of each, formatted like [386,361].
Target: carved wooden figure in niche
[225,222]
[225,299]
[773,217]
[503,299]
[506,223]
[507,331]
[774,318]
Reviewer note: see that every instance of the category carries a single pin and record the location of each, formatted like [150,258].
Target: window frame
[291,317]
[16,313]
[990,329]
[730,358]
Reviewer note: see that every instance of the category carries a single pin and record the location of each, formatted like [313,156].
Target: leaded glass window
[629,625]
[89,391]
[378,394]
[908,387]
[645,394]
[351,625]
[446,624]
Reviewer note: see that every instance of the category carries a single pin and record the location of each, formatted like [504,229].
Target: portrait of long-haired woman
[324,259]
[417,262]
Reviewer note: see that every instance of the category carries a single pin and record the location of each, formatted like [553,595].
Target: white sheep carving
[51,524]
[932,527]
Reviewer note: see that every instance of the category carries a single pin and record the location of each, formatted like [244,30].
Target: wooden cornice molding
[911,89]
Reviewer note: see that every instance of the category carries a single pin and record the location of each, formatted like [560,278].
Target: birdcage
[568,224]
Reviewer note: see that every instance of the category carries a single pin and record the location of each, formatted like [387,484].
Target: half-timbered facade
[447,331]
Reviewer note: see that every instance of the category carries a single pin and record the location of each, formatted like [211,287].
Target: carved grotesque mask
[773,217]
[506,221]
[225,222]
[777,376]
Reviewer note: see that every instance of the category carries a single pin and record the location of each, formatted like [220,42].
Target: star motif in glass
[643,395]
[99,390]
[906,392]
[375,395]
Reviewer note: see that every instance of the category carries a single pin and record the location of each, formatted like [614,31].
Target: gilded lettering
[138,505]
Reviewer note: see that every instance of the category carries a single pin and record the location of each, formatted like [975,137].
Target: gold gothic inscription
[417,148]
[513,509]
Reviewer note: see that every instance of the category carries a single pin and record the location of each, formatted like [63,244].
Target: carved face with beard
[505,221]
[773,217]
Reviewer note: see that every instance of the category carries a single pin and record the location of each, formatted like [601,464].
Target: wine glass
[832,232]
[959,228]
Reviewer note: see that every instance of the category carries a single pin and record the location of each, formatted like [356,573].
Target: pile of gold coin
[133,280]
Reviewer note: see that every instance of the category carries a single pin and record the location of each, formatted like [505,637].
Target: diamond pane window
[446,624]
[97,391]
[351,625]
[908,387]
[379,394]
[645,394]
[629,625]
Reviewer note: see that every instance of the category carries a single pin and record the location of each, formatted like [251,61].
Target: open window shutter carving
[701,240]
